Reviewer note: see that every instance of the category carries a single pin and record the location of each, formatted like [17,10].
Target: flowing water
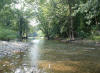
[53,57]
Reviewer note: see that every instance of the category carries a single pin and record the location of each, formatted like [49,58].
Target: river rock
[8,48]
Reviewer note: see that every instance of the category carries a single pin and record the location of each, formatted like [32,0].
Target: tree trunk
[48,37]
[20,30]
[96,22]
[71,32]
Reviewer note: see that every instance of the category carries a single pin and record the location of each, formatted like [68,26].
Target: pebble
[8,48]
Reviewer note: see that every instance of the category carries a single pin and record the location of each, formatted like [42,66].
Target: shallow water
[53,57]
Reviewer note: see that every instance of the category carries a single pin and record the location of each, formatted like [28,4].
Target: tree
[13,20]
[68,18]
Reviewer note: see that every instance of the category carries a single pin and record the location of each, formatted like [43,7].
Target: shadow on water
[53,57]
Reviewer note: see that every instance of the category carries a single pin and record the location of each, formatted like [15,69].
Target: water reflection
[33,58]
[34,52]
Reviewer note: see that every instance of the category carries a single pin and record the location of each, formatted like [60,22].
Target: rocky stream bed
[10,48]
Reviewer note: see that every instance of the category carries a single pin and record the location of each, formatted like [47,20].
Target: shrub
[7,34]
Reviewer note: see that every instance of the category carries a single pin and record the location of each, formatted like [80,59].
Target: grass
[97,38]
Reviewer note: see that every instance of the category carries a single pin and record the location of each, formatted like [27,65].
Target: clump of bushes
[7,34]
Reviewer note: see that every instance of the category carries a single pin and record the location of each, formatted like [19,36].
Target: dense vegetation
[13,23]
[57,18]
[69,18]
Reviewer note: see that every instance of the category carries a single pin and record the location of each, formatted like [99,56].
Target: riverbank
[87,42]
[11,48]
[84,42]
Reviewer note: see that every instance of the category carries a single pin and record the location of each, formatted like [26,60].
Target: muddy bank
[10,48]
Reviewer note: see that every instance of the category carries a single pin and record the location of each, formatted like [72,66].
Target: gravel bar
[10,48]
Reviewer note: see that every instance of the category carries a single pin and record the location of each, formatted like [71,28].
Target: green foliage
[40,33]
[69,18]
[97,38]
[57,18]
[7,34]
[12,20]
